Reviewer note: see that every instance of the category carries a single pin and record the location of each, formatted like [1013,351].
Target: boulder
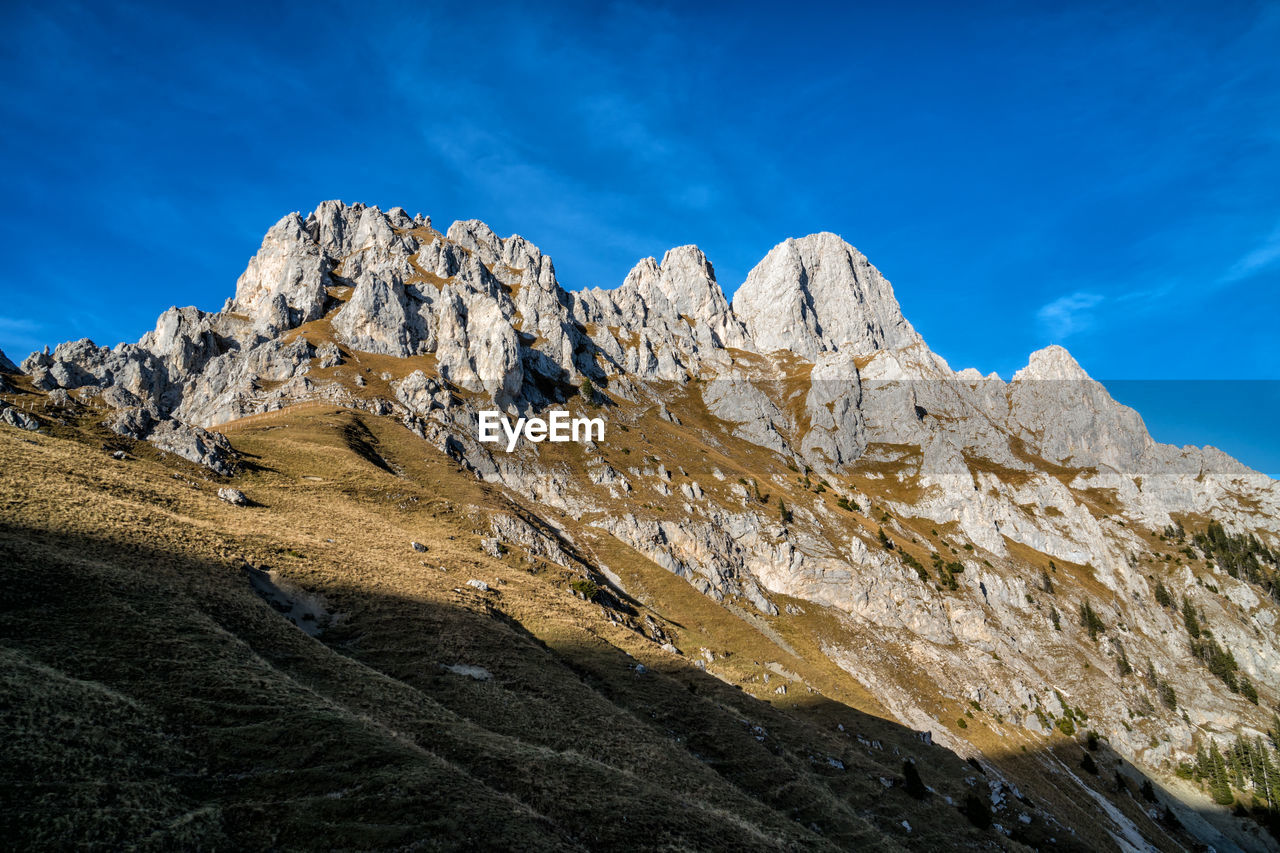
[15,418]
[235,497]
[195,444]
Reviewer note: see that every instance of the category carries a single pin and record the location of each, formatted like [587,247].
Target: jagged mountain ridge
[493,314]
[812,366]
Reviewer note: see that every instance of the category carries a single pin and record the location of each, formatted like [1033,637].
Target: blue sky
[1106,176]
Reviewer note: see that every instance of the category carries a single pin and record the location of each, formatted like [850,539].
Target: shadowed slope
[154,697]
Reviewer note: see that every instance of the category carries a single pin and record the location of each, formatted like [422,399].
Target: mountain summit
[819,294]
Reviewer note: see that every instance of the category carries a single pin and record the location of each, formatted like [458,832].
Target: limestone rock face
[491,312]
[1070,417]
[670,318]
[837,430]
[284,284]
[7,366]
[818,294]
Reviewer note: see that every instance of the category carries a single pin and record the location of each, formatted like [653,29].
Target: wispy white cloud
[1067,315]
[1262,257]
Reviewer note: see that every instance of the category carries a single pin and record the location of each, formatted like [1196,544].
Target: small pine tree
[588,391]
[1090,620]
[1219,781]
[1123,667]
[1088,764]
[783,512]
[1168,697]
[1046,582]
[1204,768]
[885,541]
[1238,760]
[1247,690]
[1055,619]
[1271,776]
[585,587]
[1189,619]
[1162,595]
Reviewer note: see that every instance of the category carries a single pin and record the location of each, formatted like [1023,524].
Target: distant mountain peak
[1051,362]
[816,294]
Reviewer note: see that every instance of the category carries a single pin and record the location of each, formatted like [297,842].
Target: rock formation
[814,382]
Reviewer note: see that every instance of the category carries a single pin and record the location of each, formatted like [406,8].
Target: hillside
[806,556]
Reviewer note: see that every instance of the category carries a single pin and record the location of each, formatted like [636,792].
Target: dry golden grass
[361,725]
[136,650]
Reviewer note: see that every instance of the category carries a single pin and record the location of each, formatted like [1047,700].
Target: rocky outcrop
[285,282]
[7,366]
[16,418]
[210,449]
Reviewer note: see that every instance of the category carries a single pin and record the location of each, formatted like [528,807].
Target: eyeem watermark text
[558,426]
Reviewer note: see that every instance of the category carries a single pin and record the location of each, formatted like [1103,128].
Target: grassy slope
[152,696]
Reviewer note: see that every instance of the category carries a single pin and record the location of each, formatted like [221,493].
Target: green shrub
[585,587]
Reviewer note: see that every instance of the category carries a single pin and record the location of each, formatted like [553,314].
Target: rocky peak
[475,236]
[329,223]
[1056,407]
[1052,362]
[688,281]
[7,366]
[284,283]
[680,294]
[818,294]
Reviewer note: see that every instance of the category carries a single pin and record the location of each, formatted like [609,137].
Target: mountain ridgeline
[1015,568]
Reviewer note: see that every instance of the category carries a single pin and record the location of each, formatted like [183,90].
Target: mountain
[800,519]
